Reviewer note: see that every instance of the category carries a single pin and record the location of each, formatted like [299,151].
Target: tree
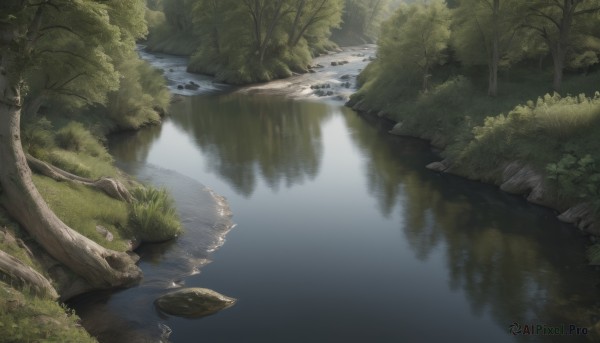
[314,17]
[361,19]
[24,25]
[259,40]
[415,39]
[556,23]
[492,24]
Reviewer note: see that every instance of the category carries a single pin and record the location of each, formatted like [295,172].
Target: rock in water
[193,302]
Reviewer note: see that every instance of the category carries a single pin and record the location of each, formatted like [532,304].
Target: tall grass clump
[153,216]
[75,137]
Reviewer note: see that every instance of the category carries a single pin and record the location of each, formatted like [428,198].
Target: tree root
[16,273]
[110,186]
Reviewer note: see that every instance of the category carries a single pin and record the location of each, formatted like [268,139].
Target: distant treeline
[245,41]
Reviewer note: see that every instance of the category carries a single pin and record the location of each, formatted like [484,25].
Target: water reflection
[250,137]
[512,259]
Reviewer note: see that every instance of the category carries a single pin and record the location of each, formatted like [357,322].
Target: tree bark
[110,186]
[16,273]
[101,267]
[495,53]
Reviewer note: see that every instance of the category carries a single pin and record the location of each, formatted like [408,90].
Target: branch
[589,10]
[539,13]
[62,27]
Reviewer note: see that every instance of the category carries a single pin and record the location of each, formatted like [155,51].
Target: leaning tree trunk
[101,267]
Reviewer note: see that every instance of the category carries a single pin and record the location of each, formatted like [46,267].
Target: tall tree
[23,27]
[556,21]
[415,39]
[313,16]
[493,25]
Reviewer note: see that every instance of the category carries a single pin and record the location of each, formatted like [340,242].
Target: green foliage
[76,138]
[38,137]
[171,28]
[26,318]
[256,41]
[577,178]
[593,254]
[153,216]
[141,96]
[414,40]
[361,21]
[83,209]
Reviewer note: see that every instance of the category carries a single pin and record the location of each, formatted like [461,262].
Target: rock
[519,179]
[329,93]
[437,166]
[345,77]
[319,66]
[312,71]
[180,87]
[193,302]
[191,86]
[171,70]
[343,62]
[334,63]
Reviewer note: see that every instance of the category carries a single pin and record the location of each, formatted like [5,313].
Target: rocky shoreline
[518,178]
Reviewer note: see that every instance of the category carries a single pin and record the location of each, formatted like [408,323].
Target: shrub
[75,137]
[152,215]
[38,138]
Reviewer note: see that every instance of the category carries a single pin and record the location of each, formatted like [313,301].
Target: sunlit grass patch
[83,209]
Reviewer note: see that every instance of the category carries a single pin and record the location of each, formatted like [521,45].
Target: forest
[498,83]
[498,86]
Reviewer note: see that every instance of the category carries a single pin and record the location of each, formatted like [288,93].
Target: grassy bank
[554,135]
[114,224]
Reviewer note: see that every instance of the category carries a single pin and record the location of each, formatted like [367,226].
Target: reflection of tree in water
[251,136]
[132,148]
[511,259]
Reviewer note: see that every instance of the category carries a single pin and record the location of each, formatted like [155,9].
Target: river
[340,235]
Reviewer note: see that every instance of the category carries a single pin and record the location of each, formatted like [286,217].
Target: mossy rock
[193,302]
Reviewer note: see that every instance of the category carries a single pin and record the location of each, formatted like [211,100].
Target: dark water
[342,235]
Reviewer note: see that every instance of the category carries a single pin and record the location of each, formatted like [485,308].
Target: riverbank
[540,149]
[75,175]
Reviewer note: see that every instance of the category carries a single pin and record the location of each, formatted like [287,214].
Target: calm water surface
[343,236]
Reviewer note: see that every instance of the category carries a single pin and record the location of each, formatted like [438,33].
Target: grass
[153,216]
[83,208]
[75,137]
[26,318]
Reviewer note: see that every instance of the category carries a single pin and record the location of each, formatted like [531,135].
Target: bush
[77,138]
[152,215]
[38,138]
[68,163]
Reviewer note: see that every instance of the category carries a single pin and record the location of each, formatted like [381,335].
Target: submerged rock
[193,302]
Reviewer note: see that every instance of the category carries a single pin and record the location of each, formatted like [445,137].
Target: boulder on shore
[193,302]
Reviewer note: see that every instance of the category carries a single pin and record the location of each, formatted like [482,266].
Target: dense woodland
[243,42]
[493,82]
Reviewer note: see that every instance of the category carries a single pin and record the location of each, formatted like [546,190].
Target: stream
[328,229]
